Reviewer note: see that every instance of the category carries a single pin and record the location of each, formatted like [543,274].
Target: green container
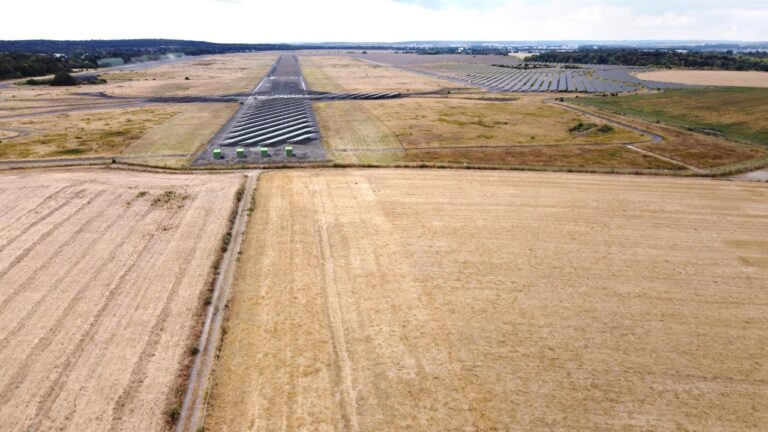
[264,152]
[289,151]
[240,153]
[217,154]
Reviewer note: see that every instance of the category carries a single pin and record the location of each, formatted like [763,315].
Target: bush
[63,79]
[606,128]
[173,414]
[582,127]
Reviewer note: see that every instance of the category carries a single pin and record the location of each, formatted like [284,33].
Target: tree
[63,79]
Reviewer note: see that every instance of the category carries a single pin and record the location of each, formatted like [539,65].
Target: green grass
[737,113]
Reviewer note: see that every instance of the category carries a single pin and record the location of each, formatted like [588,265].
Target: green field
[738,113]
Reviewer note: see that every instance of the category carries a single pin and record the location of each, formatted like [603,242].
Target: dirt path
[655,138]
[193,407]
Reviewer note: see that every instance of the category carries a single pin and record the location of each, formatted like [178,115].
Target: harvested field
[102,274]
[710,78]
[346,74]
[486,300]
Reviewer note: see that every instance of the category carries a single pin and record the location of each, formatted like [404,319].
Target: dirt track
[101,274]
[467,300]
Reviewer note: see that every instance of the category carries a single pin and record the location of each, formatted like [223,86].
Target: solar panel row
[557,78]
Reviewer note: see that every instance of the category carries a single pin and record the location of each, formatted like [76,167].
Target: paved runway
[277,115]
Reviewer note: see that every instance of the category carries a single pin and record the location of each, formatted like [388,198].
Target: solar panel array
[273,121]
[558,78]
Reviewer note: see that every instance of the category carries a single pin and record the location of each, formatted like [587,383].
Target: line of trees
[23,65]
[749,61]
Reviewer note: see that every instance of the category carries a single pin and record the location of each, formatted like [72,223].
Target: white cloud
[386,20]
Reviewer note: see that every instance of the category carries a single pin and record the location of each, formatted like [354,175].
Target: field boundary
[192,410]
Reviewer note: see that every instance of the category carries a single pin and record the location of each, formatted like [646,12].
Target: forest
[726,60]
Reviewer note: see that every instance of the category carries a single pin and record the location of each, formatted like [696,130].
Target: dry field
[486,300]
[186,132]
[441,122]
[43,122]
[209,75]
[95,133]
[710,78]
[346,74]
[690,121]
[521,131]
[101,276]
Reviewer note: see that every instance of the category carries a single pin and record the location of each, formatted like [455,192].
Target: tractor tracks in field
[340,362]
[193,405]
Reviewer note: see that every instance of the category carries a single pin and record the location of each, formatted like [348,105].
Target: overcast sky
[386,20]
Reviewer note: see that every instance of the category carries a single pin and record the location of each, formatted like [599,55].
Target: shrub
[173,413]
[63,79]
[606,128]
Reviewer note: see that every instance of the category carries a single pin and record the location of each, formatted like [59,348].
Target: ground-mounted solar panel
[570,84]
[589,84]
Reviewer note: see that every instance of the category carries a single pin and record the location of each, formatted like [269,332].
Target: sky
[255,21]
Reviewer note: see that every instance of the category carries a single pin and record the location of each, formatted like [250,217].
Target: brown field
[488,300]
[346,74]
[101,276]
[712,78]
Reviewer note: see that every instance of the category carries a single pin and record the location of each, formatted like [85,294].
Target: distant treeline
[22,65]
[32,58]
[749,61]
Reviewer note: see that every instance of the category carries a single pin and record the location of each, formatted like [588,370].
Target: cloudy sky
[387,20]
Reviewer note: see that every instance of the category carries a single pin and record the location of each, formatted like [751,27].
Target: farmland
[444,300]
[102,276]
[709,78]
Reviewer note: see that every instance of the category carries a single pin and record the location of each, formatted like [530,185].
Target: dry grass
[696,149]
[443,300]
[713,78]
[738,113]
[99,133]
[609,157]
[352,134]
[211,75]
[436,129]
[446,122]
[346,74]
[101,274]
[187,132]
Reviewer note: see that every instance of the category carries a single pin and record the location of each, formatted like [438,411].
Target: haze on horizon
[254,21]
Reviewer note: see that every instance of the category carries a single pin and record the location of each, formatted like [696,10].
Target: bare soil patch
[101,275]
[445,300]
